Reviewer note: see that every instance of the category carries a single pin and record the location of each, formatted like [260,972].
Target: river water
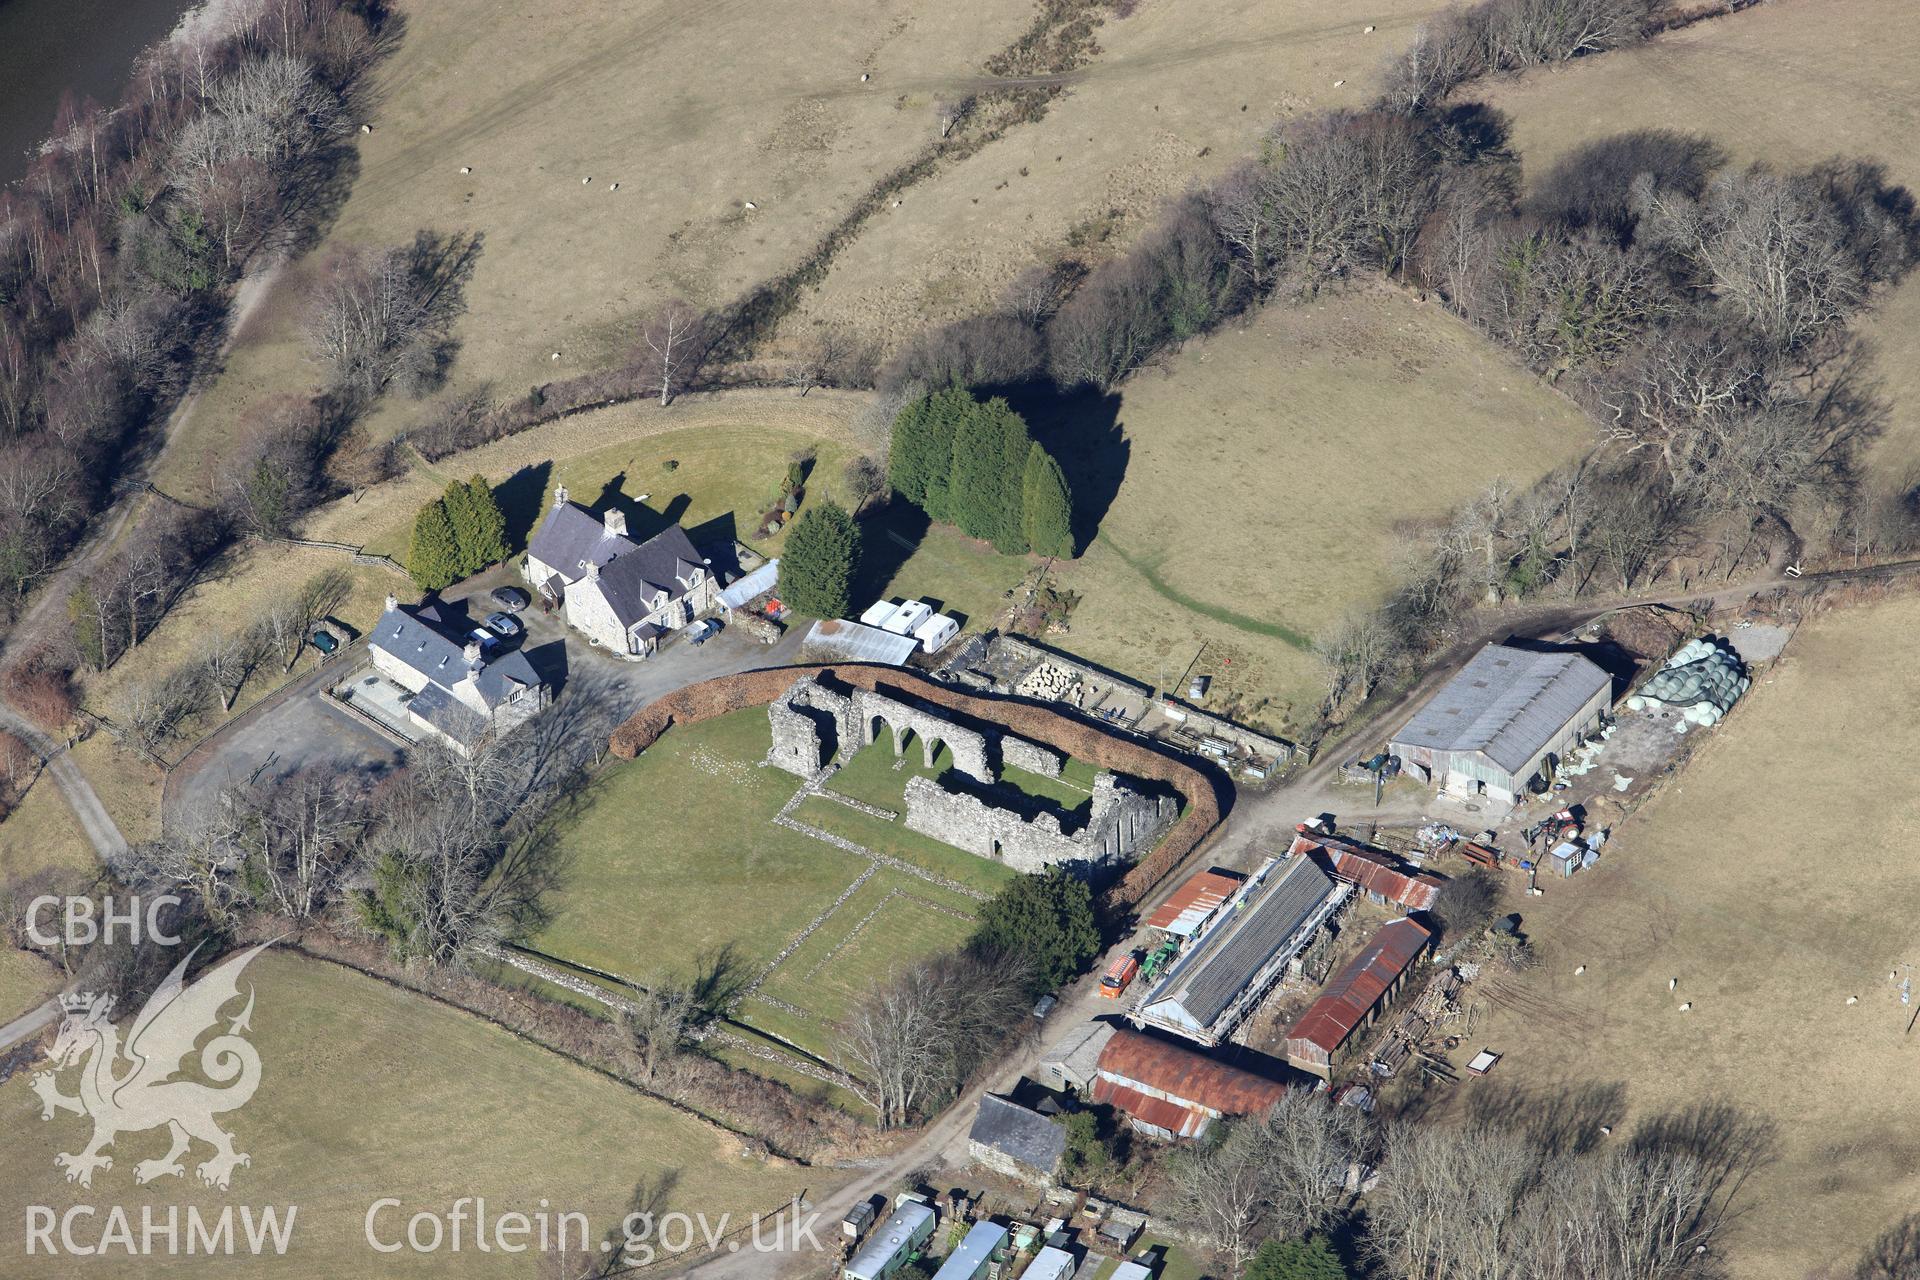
[50,46]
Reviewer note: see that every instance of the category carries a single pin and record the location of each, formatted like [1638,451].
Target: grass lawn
[893,838]
[892,919]
[25,980]
[720,483]
[674,855]
[370,1092]
[960,576]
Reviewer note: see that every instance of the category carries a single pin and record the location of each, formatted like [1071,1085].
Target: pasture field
[1774,879]
[1268,468]
[674,857]
[681,119]
[1790,83]
[370,1092]
[25,980]
[42,832]
[1178,94]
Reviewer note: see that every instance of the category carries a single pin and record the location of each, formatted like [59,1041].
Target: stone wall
[1071,736]
[802,717]
[1120,823]
[1022,754]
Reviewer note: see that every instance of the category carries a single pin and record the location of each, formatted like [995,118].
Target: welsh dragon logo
[126,1090]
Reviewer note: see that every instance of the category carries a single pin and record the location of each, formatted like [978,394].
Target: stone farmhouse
[621,594]
[813,725]
[452,690]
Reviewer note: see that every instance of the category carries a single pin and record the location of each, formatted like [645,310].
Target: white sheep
[1338,83]
[614,187]
[1579,970]
[466,168]
[554,356]
[1367,30]
[751,205]
[585,181]
[1853,1000]
[366,128]
[1672,983]
[863,77]
[1685,1007]
[1606,1130]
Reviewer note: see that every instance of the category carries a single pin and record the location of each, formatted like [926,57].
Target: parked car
[323,640]
[1043,1006]
[1119,976]
[503,624]
[512,599]
[487,641]
[703,631]
[1198,688]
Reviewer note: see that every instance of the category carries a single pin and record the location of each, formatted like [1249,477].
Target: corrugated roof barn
[1379,875]
[1488,730]
[1174,1092]
[1354,994]
[1194,903]
[1224,971]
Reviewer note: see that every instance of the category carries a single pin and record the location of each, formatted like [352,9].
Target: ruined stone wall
[969,748]
[797,718]
[1071,736]
[1022,754]
[1120,824]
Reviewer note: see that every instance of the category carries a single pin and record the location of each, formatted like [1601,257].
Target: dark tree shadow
[887,538]
[1081,429]
[721,975]
[523,497]
[1563,1121]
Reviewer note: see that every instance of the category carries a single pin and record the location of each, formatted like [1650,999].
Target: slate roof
[443,661]
[570,535]
[1358,987]
[631,579]
[448,714]
[1027,1136]
[1250,932]
[1505,704]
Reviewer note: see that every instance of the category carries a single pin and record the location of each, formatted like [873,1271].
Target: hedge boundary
[1077,738]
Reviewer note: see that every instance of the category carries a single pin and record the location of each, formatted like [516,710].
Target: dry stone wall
[1120,824]
[1022,754]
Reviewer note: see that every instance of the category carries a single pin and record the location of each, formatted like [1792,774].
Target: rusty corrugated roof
[1194,901]
[1354,991]
[1374,872]
[1181,1122]
[1132,1058]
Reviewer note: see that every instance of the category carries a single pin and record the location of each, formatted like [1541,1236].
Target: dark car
[512,599]
[502,624]
[324,641]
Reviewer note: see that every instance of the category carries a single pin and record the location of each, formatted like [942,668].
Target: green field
[674,856]
[369,1092]
[716,483]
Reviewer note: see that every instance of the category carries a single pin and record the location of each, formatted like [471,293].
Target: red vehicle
[1119,976]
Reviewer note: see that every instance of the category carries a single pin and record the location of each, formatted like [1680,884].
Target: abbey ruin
[814,726]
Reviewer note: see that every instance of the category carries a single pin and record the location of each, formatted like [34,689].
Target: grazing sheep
[554,356]
[366,128]
[751,205]
[466,168]
[1685,1007]
[1606,1130]
[1338,83]
[1672,983]
[614,187]
[1367,31]
[1853,999]
[1579,970]
[585,181]
[863,77]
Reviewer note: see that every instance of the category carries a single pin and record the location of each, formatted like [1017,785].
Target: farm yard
[368,1091]
[1773,880]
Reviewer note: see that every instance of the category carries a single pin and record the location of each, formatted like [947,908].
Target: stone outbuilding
[622,595]
[1016,1141]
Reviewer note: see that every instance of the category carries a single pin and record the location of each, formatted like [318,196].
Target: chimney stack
[559,495]
[393,602]
[616,522]
[473,653]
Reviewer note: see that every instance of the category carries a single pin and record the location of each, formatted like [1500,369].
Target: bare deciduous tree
[673,345]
